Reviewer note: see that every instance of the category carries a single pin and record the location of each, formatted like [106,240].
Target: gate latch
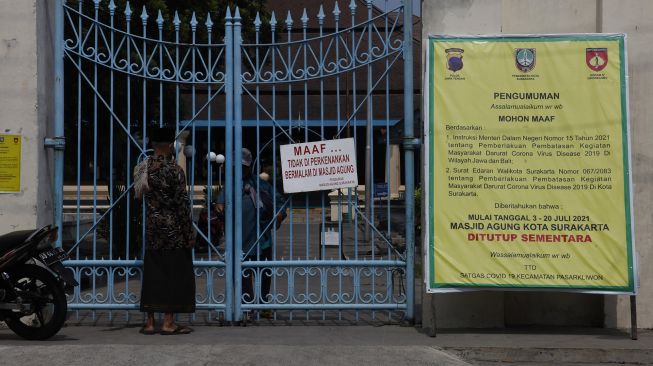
[57,142]
[412,143]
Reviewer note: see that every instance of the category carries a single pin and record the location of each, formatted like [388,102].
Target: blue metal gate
[345,254]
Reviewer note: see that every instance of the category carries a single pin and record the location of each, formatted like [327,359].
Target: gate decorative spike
[336,12]
[228,15]
[128,11]
[273,21]
[176,21]
[193,22]
[144,16]
[289,21]
[209,22]
[97,3]
[237,16]
[369,4]
[257,22]
[353,6]
[112,7]
[159,20]
[304,18]
[320,15]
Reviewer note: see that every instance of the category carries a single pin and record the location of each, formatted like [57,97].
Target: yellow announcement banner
[528,182]
[10,163]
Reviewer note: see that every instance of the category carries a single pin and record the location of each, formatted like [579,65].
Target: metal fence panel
[294,89]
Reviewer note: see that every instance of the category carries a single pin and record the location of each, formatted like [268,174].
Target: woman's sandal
[179,329]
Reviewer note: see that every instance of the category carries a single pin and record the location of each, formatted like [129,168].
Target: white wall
[633,17]
[22,113]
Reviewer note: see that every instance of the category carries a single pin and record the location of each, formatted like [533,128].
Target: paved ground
[327,345]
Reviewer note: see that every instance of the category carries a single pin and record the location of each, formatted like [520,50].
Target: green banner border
[625,144]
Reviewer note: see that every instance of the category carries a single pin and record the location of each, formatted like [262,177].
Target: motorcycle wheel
[49,305]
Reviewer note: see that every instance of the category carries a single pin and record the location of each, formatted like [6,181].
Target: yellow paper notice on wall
[10,156]
[528,164]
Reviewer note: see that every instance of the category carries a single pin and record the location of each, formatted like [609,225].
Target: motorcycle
[33,282]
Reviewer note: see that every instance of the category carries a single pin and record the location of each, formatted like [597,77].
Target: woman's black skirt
[168,281]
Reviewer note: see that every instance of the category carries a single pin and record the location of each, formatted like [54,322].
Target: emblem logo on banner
[525,59]
[454,59]
[596,58]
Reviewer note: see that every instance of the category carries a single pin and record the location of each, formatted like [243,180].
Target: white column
[26,31]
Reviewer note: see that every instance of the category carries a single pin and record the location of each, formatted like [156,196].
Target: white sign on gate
[319,166]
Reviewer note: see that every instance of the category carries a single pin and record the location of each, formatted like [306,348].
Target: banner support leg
[633,317]
[432,329]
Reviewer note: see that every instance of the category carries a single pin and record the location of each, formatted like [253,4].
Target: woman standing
[168,277]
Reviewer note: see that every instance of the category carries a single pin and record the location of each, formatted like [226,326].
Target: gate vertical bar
[95,127]
[144,18]
[79,131]
[354,120]
[238,187]
[322,254]
[209,182]
[257,26]
[369,135]
[112,11]
[229,173]
[128,175]
[58,43]
[190,161]
[409,158]
[273,29]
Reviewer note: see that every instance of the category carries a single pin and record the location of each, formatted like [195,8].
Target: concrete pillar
[633,17]
[26,29]
[469,309]
[548,16]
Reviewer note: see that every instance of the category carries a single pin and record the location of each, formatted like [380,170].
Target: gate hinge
[57,142]
[412,143]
